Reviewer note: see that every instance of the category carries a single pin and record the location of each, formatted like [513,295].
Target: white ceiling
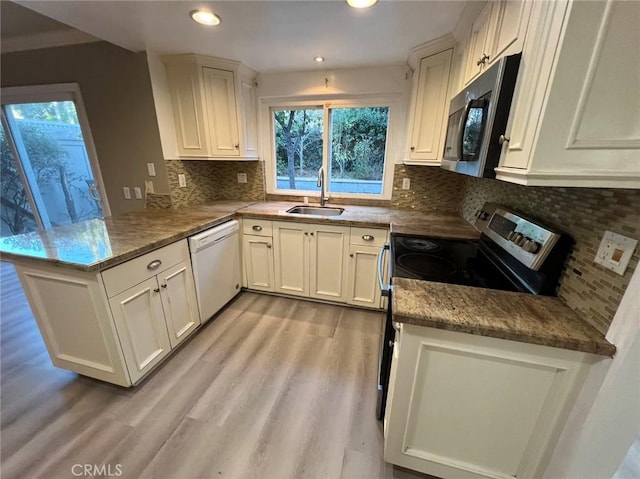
[266,35]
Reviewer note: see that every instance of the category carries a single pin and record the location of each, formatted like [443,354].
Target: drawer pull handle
[155,264]
[256,228]
[368,237]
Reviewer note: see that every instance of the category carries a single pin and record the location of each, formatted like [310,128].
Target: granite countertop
[101,243]
[520,317]
[435,224]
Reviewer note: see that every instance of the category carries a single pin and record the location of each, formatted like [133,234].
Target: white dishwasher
[215,258]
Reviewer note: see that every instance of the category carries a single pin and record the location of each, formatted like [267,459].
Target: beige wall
[116,91]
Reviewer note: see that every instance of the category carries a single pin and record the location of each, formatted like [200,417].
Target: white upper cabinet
[477,50]
[575,118]
[214,107]
[429,101]
[509,21]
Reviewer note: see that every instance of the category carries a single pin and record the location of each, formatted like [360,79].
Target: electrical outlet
[127,192]
[406,183]
[242,177]
[137,191]
[182,180]
[148,186]
[615,251]
[151,169]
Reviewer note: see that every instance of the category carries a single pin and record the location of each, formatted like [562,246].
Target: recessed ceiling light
[205,17]
[361,3]
[318,59]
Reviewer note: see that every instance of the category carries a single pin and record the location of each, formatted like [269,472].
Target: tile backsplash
[210,180]
[430,188]
[585,214]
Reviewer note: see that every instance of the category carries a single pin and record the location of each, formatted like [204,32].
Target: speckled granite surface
[402,222]
[520,317]
[98,244]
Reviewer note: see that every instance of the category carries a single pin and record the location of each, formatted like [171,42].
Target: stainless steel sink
[316,210]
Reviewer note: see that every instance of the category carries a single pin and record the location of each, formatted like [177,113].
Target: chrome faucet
[321,186]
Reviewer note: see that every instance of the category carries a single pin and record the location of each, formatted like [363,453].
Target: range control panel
[526,240]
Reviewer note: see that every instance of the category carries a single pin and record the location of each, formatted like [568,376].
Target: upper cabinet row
[575,115]
[214,107]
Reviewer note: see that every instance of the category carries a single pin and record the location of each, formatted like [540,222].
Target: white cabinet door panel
[222,113]
[177,292]
[364,289]
[291,253]
[141,327]
[328,266]
[257,252]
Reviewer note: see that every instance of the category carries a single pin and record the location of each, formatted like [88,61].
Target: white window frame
[267,108]
[62,92]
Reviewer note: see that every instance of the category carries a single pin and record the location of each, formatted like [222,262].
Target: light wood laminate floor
[272,388]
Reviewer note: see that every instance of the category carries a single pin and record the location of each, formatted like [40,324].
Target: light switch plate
[242,177]
[182,180]
[406,183]
[615,251]
[127,192]
[151,169]
[137,191]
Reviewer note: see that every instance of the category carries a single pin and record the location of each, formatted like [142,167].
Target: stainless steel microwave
[478,117]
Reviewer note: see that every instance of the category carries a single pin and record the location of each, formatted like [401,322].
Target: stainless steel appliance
[514,253]
[478,119]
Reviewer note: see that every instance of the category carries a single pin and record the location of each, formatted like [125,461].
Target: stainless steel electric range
[514,253]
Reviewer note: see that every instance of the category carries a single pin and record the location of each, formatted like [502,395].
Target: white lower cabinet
[118,324]
[257,254]
[364,289]
[469,406]
[310,259]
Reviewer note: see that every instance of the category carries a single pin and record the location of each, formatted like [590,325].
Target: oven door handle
[385,289]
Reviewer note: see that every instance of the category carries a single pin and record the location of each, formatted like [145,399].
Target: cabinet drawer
[252,226]
[137,270]
[368,236]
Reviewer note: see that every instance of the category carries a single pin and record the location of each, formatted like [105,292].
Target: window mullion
[326,146]
[20,157]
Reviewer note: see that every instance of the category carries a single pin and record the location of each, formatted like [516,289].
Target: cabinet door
[328,262]
[249,142]
[257,253]
[509,25]
[141,327]
[429,108]
[477,47]
[222,113]
[291,254]
[188,112]
[178,295]
[363,287]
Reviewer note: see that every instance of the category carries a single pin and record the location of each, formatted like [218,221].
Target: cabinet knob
[306,233]
[155,264]
[156,290]
[483,59]
[237,146]
[311,233]
[413,148]
[503,139]
[351,254]
[163,285]
[368,237]
[268,245]
[256,228]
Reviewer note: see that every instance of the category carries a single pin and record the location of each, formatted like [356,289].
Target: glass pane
[16,214]
[56,162]
[298,148]
[358,142]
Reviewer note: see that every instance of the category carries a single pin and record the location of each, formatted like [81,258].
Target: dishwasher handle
[385,289]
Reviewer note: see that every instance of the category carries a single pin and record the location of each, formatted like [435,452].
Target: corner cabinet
[575,117]
[469,406]
[430,102]
[118,324]
[214,107]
